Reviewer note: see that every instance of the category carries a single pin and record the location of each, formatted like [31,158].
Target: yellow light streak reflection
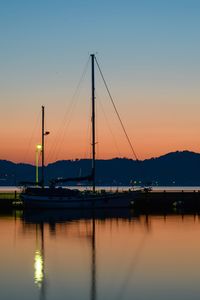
[38,267]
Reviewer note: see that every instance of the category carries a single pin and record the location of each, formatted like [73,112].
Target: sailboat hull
[108,200]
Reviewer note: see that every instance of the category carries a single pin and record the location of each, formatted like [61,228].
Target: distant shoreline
[173,169]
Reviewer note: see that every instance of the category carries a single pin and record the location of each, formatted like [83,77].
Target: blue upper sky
[149,51]
[139,33]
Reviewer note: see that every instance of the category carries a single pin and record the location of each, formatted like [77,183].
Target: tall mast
[43,134]
[93,122]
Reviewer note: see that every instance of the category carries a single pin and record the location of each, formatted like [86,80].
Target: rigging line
[109,127]
[88,137]
[69,109]
[97,131]
[31,137]
[132,267]
[66,126]
[115,108]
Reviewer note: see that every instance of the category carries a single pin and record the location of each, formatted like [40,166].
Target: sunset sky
[149,52]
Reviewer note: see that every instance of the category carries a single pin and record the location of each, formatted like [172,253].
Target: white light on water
[38,267]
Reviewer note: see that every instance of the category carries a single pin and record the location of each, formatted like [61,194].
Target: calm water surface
[116,255]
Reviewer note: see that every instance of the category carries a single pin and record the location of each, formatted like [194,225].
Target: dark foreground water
[116,255]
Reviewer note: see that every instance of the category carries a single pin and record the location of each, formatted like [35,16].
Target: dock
[10,199]
[168,200]
[147,200]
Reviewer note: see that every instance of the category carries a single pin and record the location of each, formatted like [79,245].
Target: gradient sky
[149,52]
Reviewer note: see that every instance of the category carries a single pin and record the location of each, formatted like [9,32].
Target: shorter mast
[43,134]
[93,123]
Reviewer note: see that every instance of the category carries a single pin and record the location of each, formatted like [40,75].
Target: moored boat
[72,198]
[58,197]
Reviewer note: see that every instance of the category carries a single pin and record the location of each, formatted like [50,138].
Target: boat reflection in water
[39,260]
[38,221]
[95,257]
[58,255]
[39,275]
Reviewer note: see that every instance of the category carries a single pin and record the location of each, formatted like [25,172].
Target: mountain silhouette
[175,168]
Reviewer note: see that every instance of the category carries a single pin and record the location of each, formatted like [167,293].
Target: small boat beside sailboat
[40,196]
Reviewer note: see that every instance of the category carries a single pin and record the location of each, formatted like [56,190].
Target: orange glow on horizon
[156,122]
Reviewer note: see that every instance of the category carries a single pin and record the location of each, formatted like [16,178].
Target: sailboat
[58,197]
